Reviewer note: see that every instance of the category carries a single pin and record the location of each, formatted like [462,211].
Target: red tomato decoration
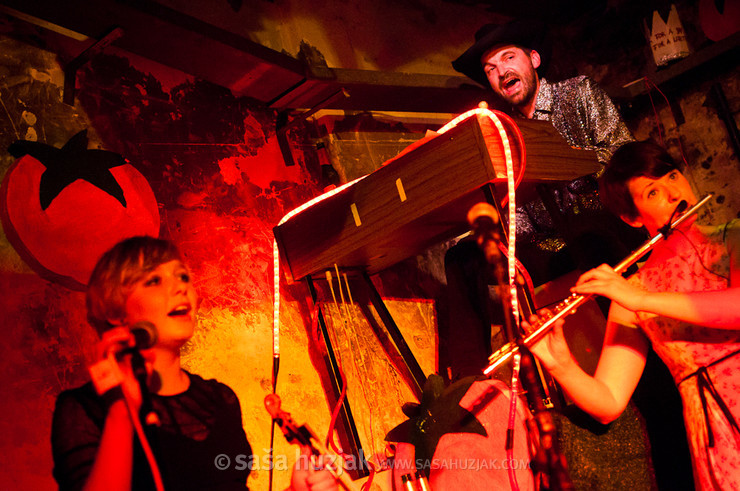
[61,209]
[719,18]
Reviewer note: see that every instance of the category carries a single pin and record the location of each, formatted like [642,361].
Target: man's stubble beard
[528,92]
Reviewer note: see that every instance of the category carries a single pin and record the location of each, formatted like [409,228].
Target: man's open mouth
[509,83]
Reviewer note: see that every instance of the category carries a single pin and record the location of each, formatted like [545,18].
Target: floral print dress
[704,362]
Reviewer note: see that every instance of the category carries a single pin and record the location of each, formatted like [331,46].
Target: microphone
[145,334]
[666,229]
[106,375]
[484,220]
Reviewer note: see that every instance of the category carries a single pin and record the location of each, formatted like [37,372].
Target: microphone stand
[548,458]
[147,413]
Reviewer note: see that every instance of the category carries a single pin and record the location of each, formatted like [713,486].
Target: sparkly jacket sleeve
[604,126]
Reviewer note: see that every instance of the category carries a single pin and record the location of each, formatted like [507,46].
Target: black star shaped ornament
[438,413]
[71,162]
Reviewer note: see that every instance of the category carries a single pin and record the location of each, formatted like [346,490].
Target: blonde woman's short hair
[117,271]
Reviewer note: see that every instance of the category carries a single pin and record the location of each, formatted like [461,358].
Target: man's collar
[543,103]
[544,97]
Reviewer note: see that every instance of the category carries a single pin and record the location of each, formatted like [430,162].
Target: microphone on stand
[484,222]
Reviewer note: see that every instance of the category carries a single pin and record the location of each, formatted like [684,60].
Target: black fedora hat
[525,33]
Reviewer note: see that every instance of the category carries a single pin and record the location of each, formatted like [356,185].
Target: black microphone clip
[484,222]
[666,229]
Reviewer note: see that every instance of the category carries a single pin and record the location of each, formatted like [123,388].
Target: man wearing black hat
[507,58]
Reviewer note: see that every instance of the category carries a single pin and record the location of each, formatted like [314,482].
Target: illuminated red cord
[522,270]
[369,482]
[512,184]
[522,156]
[148,453]
[512,421]
[276,263]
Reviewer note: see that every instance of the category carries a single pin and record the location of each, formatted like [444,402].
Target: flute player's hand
[604,281]
[551,350]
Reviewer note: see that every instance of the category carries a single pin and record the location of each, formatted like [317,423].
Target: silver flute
[571,303]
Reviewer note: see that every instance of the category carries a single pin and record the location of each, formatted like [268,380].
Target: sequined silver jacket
[583,114]
[587,118]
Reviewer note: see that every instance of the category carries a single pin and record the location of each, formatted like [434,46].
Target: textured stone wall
[682,114]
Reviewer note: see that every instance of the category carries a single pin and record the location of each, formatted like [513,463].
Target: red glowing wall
[220,183]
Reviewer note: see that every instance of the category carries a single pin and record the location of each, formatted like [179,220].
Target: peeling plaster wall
[221,185]
[357,34]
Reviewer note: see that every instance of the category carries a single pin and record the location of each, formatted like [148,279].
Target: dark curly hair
[633,159]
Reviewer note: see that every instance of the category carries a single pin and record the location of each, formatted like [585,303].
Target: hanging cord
[522,271]
[698,256]
[512,183]
[655,111]
[350,318]
[143,440]
[648,84]
[512,421]
[511,196]
[331,433]
[511,186]
[275,356]
[367,484]
[276,298]
[156,475]
[522,158]
[329,194]
[276,270]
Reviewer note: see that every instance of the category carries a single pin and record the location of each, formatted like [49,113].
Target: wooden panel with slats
[368,225]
